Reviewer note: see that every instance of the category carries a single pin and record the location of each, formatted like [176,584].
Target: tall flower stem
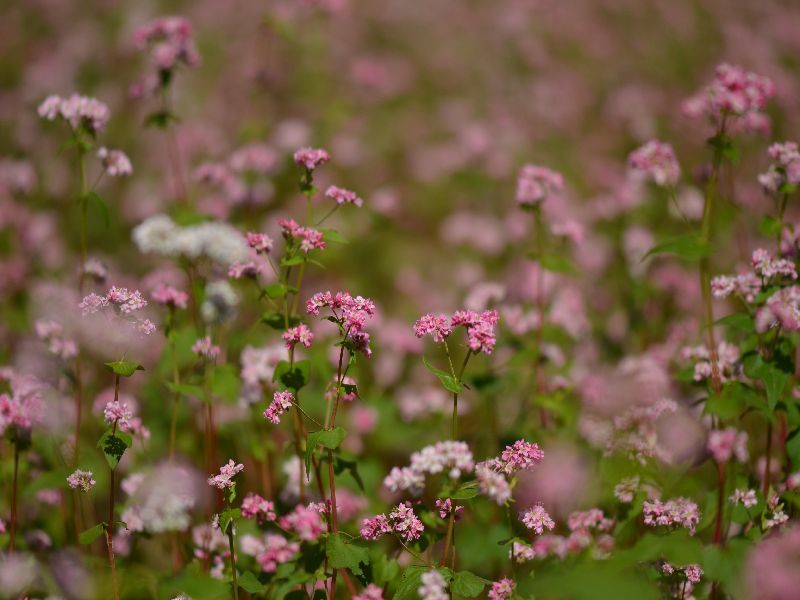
[457,377]
[14,485]
[541,307]
[448,537]
[232,547]
[718,537]
[110,525]
[176,380]
[83,203]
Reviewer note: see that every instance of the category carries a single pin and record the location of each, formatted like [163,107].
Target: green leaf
[557,263]
[96,200]
[466,491]
[793,446]
[327,438]
[467,584]
[278,320]
[724,147]
[113,446]
[227,517]
[688,246]
[775,381]
[124,368]
[197,585]
[730,403]
[159,119]
[250,583]
[293,261]
[409,582]
[331,235]
[91,534]
[351,466]
[276,290]
[342,555]
[450,383]
[769,227]
[741,321]
[292,378]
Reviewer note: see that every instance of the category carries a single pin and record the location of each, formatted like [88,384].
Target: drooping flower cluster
[401,521]
[656,160]
[677,512]
[343,196]
[537,519]
[784,171]
[115,162]
[256,507]
[224,479]
[81,112]
[536,184]
[81,480]
[479,326]
[733,92]
[281,402]
[724,444]
[520,456]
[117,413]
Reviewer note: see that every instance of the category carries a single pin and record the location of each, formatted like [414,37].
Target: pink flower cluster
[446,508]
[502,589]
[678,512]
[781,310]
[115,162]
[589,519]
[724,444]
[127,301]
[300,334]
[746,286]
[479,326]
[401,521]
[536,184]
[81,480]
[727,361]
[309,238]
[656,160]
[371,592]
[732,92]
[351,313]
[281,402]
[170,296]
[52,333]
[240,270]
[171,41]
[260,242]
[784,171]
[311,158]
[224,480]
[78,111]
[343,196]
[24,406]
[117,413]
[304,521]
[537,518]
[256,507]
[768,267]
[276,551]
[205,348]
[746,498]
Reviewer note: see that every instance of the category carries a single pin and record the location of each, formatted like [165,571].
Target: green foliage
[327,438]
[113,446]
[450,383]
[124,368]
[689,247]
[292,377]
[342,555]
[88,536]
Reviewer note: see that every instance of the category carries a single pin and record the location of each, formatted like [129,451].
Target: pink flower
[170,40]
[260,242]
[115,162]
[656,160]
[240,270]
[589,519]
[433,587]
[205,348]
[224,480]
[693,573]
[117,413]
[281,402]
[374,527]
[78,111]
[746,498]
[81,480]
[305,521]
[723,444]
[446,507]
[784,171]
[405,523]
[678,512]
[256,507]
[502,590]
[435,325]
[733,92]
[311,158]
[300,334]
[126,300]
[170,296]
[626,489]
[536,184]
[520,456]
[343,196]
[92,304]
[536,518]
[277,550]
[371,592]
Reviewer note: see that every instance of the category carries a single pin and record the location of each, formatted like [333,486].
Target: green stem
[232,547]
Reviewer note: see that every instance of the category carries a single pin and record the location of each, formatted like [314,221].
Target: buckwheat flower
[626,489]
[256,507]
[374,527]
[205,348]
[116,412]
[92,304]
[115,162]
[2,526]
[536,184]
[521,552]
[249,269]
[305,521]
[693,573]
[371,592]
[446,507]
[170,41]
[78,111]
[784,171]
[260,242]
[771,571]
[724,444]
[95,269]
[436,326]
[656,160]
[678,512]
[81,480]
[277,550]
[589,519]
[343,196]
[746,498]
[492,484]
[520,456]
[451,457]
[502,589]
[126,300]
[170,296]
[311,239]
[733,92]
[536,518]
[768,267]
[479,326]
[405,479]
[224,480]
[300,334]
[433,587]
[281,402]
[52,333]
[311,158]
[405,523]
[145,327]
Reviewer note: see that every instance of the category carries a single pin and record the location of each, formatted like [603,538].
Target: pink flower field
[386,300]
